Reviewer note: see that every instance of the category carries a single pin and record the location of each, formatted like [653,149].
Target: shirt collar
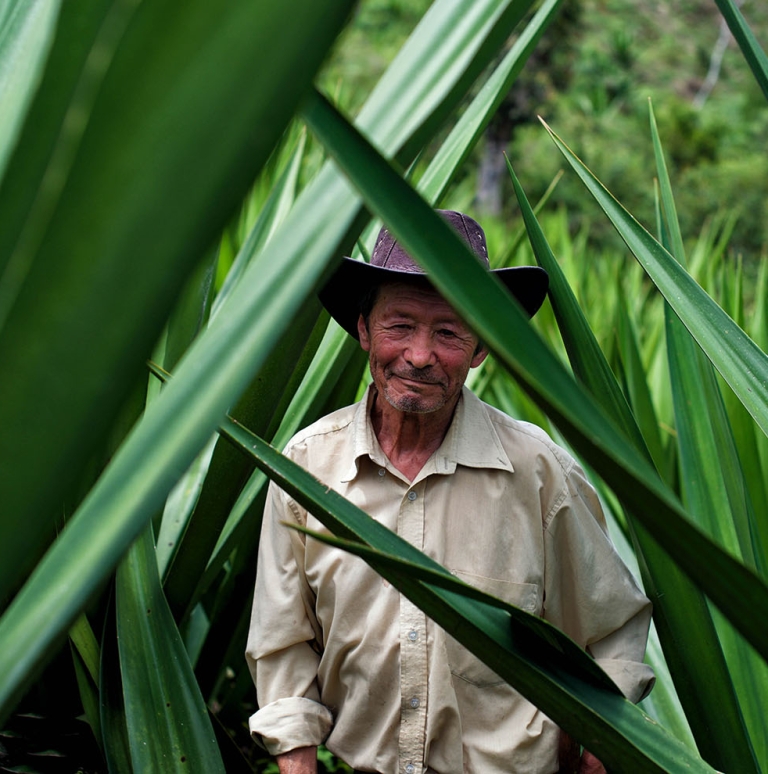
[471,439]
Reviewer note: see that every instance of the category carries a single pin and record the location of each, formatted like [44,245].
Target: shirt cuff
[633,678]
[289,723]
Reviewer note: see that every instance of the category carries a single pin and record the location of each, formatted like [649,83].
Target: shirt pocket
[464,664]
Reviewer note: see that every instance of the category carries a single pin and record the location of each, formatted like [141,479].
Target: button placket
[413,647]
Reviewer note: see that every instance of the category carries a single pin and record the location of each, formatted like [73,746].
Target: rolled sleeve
[287,724]
[284,648]
[635,679]
[620,655]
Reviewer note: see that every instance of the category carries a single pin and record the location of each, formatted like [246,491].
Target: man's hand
[571,762]
[590,765]
[302,760]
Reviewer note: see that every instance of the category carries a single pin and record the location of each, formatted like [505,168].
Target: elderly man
[337,654]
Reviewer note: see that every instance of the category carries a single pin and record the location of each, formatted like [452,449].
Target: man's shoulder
[325,428]
[521,438]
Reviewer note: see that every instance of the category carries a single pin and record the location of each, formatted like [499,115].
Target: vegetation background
[590,77]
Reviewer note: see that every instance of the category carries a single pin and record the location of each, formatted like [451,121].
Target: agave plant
[136,132]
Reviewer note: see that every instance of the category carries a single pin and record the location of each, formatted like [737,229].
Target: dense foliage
[133,229]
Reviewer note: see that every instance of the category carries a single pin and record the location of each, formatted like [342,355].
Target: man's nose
[420,352]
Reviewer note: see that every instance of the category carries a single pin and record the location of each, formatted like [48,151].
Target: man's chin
[414,404]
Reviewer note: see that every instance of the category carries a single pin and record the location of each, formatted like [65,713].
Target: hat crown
[388,254]
[353,281]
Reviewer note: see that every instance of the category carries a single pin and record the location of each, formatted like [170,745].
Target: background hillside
[591,78]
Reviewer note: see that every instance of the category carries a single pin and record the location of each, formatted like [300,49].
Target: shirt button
[382,472]
[412,496]
[410,768]
[413,636]
[415,703]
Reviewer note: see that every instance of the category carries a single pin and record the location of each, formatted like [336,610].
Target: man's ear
[478,357]
[362,332]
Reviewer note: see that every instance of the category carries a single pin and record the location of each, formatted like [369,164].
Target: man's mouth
[417,379]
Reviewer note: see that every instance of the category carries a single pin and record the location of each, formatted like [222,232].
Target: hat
[353,280]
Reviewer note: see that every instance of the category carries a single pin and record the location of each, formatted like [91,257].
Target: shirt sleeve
[590,593]
[283,650]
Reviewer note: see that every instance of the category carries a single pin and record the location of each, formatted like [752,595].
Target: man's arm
[300,761]
[591,595]
[282,651]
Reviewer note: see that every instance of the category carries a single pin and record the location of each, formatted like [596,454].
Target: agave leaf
[474,32]
[717,496]
[26,33]
[337,354]
[533,656]
[587,359]
[86,657]
[680,609]
[753,53]
[498,322]
[279,202]
[637,389]
[113,728]
[199,481]
[698,408]
[228,471]
[166,717]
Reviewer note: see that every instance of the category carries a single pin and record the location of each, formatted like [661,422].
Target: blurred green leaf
[103,224]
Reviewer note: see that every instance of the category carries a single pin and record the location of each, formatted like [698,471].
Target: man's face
[419,349]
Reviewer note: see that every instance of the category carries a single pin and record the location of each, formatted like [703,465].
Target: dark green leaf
[527,651]
[680,609]
[498,322]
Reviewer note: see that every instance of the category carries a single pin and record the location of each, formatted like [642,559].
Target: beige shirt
[339,657]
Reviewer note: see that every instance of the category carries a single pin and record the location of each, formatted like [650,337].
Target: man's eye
[447,333]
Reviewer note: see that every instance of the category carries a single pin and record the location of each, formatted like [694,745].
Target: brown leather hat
[353,280]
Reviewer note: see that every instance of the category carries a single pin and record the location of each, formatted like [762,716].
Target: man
[337,655]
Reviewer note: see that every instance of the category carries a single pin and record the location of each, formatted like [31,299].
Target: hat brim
[353,279]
